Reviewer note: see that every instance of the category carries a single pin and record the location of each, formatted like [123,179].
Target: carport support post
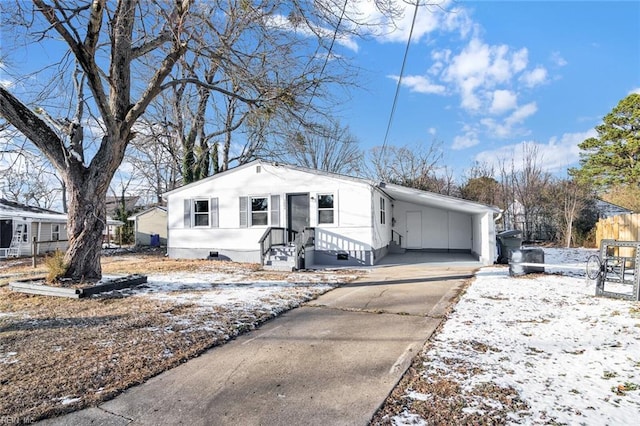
[34,249]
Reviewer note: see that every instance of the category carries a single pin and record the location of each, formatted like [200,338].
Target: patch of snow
[408,419]
[8,358]
[574,358]
[66,400]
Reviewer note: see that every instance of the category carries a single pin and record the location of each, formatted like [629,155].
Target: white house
[150,226]
[243,213]
[20,224]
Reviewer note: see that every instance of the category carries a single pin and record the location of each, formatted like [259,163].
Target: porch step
[280,258]
[394,248]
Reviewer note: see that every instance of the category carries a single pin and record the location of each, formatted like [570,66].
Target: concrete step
[394,248]
[279,265]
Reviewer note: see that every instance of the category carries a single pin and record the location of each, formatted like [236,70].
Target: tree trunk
[86,222]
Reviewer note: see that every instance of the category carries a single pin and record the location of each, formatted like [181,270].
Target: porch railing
[395,233]
[277,236]
[273,236]
[304,239]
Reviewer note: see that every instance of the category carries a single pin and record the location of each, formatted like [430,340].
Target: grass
[58,355]
[440,400]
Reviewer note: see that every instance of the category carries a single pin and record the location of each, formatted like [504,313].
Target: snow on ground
[238,291]
[573,358]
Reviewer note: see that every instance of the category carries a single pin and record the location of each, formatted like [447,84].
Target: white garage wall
[441,229]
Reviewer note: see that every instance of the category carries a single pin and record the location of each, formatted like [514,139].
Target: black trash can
[508,242]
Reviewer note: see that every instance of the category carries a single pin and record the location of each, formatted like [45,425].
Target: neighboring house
[150,222]
[20,224]
[339,220]
[606,209]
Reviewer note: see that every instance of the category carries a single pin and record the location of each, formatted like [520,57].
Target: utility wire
[395,98]
[326,59]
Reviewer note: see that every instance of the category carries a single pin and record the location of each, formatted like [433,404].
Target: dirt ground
[58,355]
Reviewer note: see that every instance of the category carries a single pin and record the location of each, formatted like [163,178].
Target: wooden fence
[624,227]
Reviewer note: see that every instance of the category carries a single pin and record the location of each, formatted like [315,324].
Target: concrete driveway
[331,361]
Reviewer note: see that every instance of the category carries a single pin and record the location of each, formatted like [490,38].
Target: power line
[395,98]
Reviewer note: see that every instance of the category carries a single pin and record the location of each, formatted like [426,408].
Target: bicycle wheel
[594,267]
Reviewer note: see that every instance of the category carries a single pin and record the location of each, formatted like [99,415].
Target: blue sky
[484,77]
[492,75]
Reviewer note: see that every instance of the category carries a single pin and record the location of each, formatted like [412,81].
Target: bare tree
[27,177]
[329,147]
[525,190]
[415,166]
[113,44]
[574,197]
[481,185]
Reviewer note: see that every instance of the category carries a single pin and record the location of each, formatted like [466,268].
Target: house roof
[431,199]
[13,210]
[396,192]
[142,213]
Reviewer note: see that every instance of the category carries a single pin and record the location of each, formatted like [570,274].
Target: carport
[441,224]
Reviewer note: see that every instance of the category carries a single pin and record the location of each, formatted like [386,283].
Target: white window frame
[195,214]
[265,212]
[55,232]
[383,211]
[332,208]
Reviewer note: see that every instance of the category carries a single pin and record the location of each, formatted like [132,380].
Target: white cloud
[557,59]
[636,91]
[434,16]
[468,138]
[509,126]
[284,23]
[464,141]
[503,100]
[480,67]
[555,156]
[421,84]
[534,77]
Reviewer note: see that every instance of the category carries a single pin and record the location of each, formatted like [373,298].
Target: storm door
[297,214]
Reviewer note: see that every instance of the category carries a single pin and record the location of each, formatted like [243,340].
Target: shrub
[56,266]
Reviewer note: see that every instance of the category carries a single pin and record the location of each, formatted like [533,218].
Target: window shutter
[187,213]
[214,213]
[275,210]
[244,217]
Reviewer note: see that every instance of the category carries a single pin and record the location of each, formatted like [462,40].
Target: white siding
[440,229]
[352,209]
[150,222]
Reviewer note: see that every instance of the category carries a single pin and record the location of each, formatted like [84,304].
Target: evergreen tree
[613,157]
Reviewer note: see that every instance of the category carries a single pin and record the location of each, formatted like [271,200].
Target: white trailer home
[20,223]
[267,213]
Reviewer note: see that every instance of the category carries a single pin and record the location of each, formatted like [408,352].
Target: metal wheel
[594,267]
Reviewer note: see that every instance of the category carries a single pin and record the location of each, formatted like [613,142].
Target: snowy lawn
[539,349]
[59,355]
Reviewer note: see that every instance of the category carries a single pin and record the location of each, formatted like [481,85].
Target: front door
[297,214]
[414,230]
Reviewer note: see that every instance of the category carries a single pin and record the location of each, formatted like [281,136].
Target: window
[55,232]
[383,213]
[201,213]
[259,211]
[325,208]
